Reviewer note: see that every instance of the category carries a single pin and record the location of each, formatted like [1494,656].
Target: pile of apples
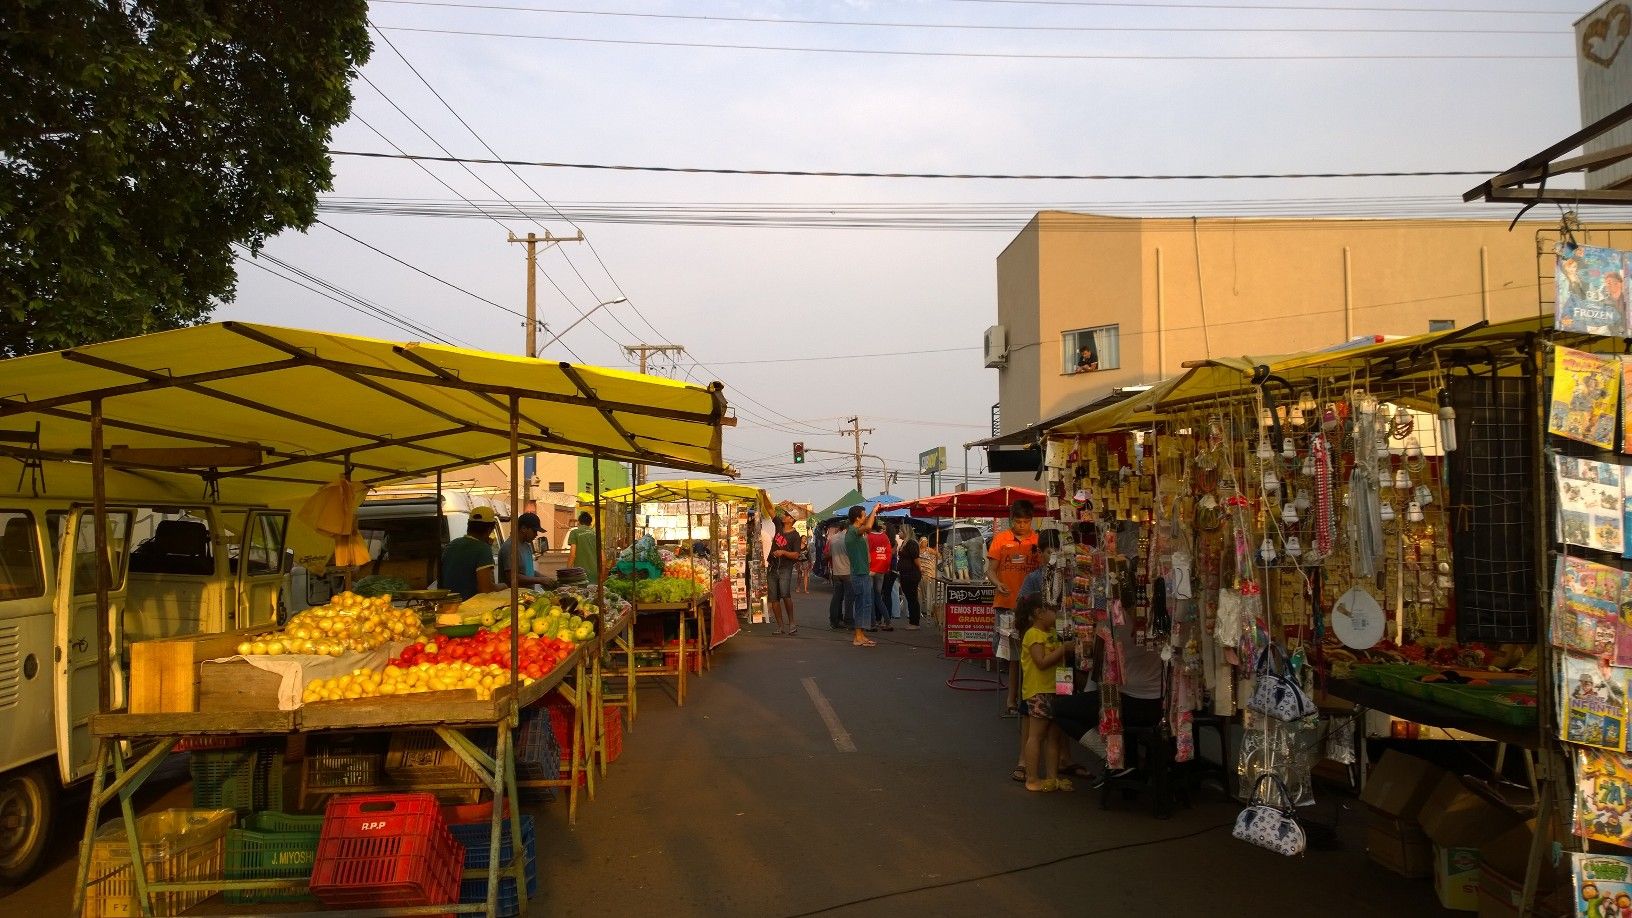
[409,680]
[348,624]
[537,655]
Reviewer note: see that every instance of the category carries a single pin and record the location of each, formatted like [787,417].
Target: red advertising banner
[971,623]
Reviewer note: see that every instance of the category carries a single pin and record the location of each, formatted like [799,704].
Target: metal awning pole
[104,570]
[600,575]
[515,543]
[441,528]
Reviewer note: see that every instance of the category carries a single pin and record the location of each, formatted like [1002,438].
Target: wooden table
[685,611]
[616,633]
[496,772]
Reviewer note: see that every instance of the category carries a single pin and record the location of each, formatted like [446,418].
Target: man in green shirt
[861,581]
[583,550]
[467,562]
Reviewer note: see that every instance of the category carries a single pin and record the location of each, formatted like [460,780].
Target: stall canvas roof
[981,504]
[298,407]
[666,492]
[1390,365]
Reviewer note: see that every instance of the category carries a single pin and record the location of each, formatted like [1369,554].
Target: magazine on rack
[1603,795]
[1591,290]
[1593,702]
[1586,606]
[1602,884]
[1590,503]
[1586,391]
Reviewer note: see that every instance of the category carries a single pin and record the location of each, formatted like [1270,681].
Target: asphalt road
[748,802]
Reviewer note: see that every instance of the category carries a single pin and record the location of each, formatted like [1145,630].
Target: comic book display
[1586,392]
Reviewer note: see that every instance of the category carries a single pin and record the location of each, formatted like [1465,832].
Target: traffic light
[798,453]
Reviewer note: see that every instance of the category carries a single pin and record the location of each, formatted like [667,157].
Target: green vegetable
[380,585]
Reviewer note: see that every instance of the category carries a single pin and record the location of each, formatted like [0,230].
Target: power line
[462,197]
[489,147]
[959,26]
[984,176]
[344,298]
[983,55]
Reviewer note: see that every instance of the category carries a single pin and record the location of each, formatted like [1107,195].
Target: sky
[810,326]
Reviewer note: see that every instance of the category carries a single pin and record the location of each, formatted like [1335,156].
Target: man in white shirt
[840,613]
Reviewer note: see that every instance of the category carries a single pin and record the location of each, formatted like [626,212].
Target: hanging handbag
[1277,692]
[1271,827]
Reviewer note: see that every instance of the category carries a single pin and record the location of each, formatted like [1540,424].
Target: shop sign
[970,621]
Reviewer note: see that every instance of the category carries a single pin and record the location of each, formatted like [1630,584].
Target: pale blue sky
[736,294]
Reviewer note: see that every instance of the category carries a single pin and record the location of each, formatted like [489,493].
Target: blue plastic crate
[538,755]
[476,837]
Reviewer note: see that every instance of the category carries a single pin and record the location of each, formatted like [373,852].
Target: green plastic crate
[246,780]
[273,846]
[1488,701]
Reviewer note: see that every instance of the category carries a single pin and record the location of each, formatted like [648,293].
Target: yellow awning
[1401,364]
[312,401]
[275,413]
[663,492]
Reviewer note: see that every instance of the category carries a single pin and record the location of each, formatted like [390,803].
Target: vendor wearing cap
[467,562]
[527,527]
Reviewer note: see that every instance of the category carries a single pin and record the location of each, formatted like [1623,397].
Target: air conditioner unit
[997,347]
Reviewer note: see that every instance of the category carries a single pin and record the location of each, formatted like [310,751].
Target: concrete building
[1145,295]
[557,481]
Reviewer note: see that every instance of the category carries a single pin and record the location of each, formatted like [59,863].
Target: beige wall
[1185,289]
[1262,287]
[1018,279]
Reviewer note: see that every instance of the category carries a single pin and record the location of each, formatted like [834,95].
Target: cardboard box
[1502,862]
[1397,788]
[1401,848]
[1399,785]
[1459,820]
[164,671]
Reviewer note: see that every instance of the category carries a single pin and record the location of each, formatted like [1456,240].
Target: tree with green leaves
[142,139]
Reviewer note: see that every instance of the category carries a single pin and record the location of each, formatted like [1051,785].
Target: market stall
[1281,528]
[961,590]
[255,414]
[686,588]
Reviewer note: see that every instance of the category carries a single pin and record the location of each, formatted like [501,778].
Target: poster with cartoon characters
[1603,885]
[1586,606]
[1603,796]
[1590,504]
[1593,702]
[1586,392]
[1591,290]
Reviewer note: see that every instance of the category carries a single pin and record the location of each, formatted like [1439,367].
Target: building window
[558,487]
[1089,349]
[1441,325]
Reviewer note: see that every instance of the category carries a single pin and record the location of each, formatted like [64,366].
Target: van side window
[178,546]
[21,576]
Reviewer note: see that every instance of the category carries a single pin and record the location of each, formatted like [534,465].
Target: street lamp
[581,318]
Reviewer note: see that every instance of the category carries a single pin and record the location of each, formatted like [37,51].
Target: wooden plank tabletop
[423,709]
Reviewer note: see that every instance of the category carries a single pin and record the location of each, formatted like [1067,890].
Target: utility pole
[532,240]
[643,351]
[856,430]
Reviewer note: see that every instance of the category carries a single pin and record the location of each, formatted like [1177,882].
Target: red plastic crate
[386,849]
[200,743]
[614,732]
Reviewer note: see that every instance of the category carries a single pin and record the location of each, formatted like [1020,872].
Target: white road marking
[841,736]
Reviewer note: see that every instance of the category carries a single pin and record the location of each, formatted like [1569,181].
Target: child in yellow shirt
[1040,652]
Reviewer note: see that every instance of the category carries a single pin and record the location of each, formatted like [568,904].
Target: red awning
[989,502]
